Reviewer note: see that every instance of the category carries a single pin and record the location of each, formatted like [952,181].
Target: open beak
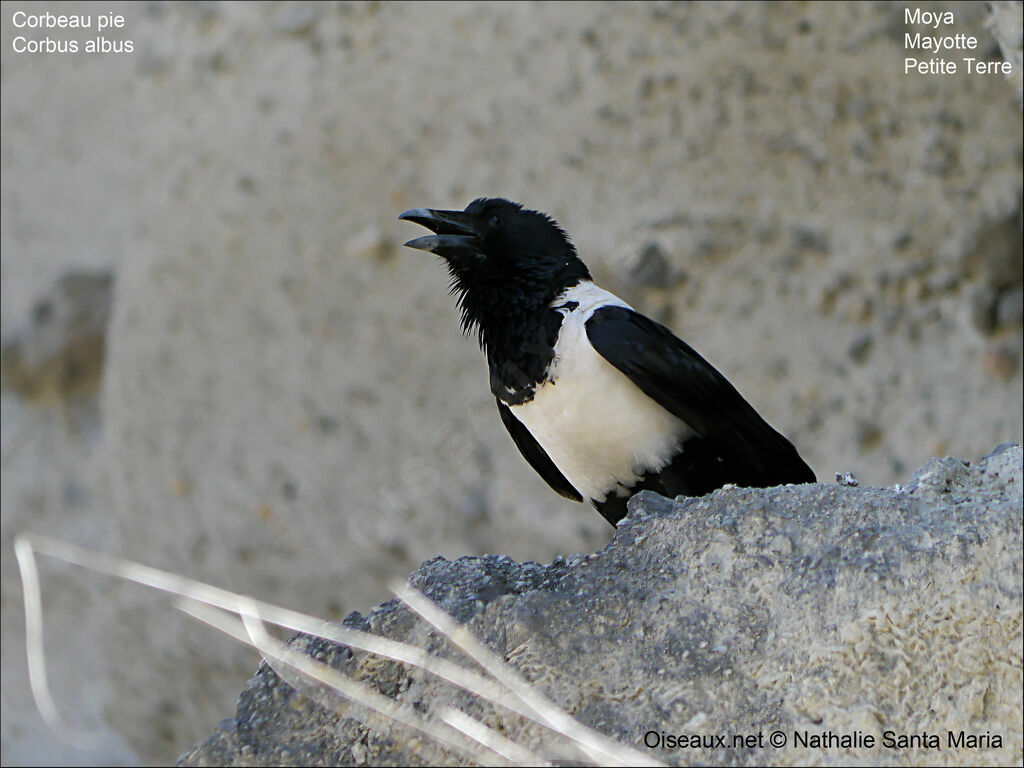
[457,232]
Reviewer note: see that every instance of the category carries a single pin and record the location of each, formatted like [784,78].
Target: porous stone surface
[1007,22]
[279,398]
[810,610]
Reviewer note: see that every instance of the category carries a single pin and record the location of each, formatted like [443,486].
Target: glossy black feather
[733,443]
[535,455]
[514,271]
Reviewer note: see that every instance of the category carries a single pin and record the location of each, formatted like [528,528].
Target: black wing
[534,454]
[747,450]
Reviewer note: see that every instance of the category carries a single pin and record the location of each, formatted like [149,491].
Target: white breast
[599,429]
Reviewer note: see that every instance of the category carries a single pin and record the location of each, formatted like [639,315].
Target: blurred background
[217,358]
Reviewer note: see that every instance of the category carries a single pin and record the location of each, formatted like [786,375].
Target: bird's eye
[494,223]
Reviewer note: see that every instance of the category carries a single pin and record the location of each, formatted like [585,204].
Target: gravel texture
[802,609]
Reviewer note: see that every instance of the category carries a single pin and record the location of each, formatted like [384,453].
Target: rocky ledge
[864,625]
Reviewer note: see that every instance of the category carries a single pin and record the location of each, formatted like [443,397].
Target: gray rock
[1010,308]
[1005,23]
[982,303]
[860,348]
[848,479]
[816,611]
[651,267]
[58,353]
[296,18]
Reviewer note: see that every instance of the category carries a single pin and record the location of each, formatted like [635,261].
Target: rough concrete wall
[806,611]
[1007,23]
[282,401]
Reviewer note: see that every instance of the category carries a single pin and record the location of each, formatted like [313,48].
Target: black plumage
[600,400]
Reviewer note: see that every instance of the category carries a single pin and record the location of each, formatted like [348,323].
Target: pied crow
[600,400]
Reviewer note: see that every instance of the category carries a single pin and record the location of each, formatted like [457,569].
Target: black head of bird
[601,400]
[503,258]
